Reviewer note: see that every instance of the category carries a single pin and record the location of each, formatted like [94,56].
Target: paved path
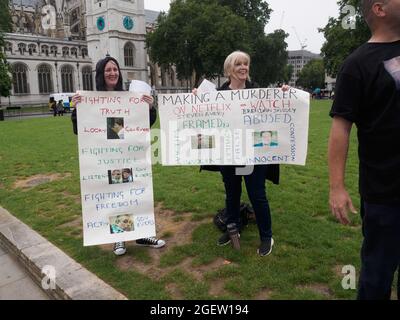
[15,283]
[35,254]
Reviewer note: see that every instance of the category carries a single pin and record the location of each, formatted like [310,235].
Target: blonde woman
[236,69]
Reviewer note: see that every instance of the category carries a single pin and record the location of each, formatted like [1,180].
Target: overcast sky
[305,16]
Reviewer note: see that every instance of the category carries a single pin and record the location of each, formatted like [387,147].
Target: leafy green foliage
[5,80]
[340,42]
[269,58]
[287,73]
[197,36]
[312,75]
[5,18]
[5,26]
[255,12]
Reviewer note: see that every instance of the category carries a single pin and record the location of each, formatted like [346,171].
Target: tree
[5,80]
[5,18]
[312,75]
[255,12]
[269,58]
[5,26]
[340,41]
[287,73]
[269,55]
[196,37]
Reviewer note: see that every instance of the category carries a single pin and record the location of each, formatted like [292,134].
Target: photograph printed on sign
[115,176]
[127,175]
[122,223]
[115,128]
[265,139]
[201,141]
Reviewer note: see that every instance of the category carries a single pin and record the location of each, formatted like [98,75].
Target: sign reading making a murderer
[238,127]
[115,167]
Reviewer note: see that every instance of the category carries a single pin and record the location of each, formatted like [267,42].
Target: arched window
[67,76]
[54,50]
[20,78]
[8,47]
[32,48]
[129,54]
[65,51]
[87,78]
[44,77]
[21,48]
[84,52]
[45,50]
[74,52]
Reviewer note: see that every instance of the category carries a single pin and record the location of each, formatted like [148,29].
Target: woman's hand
[148,99]
[194,91]
[77,98]
[285,87]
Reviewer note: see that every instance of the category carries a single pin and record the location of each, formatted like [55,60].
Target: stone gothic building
[55,45]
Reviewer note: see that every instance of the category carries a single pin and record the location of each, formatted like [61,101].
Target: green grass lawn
[310,246]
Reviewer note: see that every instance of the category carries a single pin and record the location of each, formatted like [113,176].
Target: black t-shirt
[368,94]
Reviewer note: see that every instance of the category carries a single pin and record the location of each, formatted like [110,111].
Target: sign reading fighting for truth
[115,167]
[238,127]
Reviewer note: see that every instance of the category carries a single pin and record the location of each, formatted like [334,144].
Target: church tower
[118,28]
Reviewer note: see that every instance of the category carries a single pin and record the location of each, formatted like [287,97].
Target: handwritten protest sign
[238,127]
[115,167]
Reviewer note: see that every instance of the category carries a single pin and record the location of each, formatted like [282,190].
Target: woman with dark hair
[109,78]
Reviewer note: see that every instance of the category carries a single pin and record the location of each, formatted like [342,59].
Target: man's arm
[339,199]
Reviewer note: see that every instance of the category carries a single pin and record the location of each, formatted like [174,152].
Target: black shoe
[234,235]
[265,247]
[224,239]
[151,242]
[119,248]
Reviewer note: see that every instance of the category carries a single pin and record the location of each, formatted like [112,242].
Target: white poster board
[115,167]
[238,127]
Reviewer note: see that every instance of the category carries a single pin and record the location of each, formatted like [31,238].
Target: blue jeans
[255,185]
[380,252]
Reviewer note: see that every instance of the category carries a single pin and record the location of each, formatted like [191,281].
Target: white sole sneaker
[270,250]
[120,251]
[119,248]
[160,244]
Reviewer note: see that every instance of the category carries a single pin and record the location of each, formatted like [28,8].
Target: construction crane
[303,44]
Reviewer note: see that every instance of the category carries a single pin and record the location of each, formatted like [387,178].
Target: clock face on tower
[128,23]
[101,23]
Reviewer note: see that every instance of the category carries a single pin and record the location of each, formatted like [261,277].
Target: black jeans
[255,185]
[380,253]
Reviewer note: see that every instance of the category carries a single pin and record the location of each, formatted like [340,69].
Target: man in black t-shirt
[368,94]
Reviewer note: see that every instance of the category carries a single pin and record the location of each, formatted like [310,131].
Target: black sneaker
[151,242]
[265,247]
[119,248]
[234,235]
[225,239]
